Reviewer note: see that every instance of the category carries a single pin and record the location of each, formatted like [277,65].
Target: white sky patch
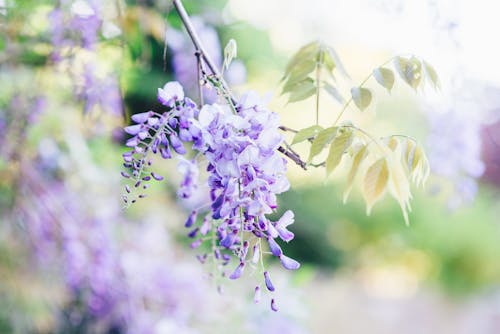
[413,27]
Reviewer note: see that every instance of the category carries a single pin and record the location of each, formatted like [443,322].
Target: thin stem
[346,105]
[197,42]
[318,90]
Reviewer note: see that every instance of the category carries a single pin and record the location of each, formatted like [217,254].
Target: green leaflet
[385,77]
[300,73]
[358,157]
[323,138]
[431,74]
[410,70]
[307,52]
[303,74]
[337,149]
[306,133]
[375,183]
[362,97]
[302,91]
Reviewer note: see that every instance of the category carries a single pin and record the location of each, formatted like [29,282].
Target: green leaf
[305,53]
[306,133]
[410,70]
[298,73]
[326,60]
[334,93]
[431,74]
[302,90]
[323,138]
[337,149]
[375,183]
[362,97]
[384,77]
[336,59]
[359,155]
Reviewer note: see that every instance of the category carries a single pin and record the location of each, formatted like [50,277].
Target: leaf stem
[346,105]
[318,78]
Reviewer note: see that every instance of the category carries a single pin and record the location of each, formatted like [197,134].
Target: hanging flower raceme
[245,173]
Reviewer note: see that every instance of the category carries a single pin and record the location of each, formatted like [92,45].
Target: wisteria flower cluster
[245,173]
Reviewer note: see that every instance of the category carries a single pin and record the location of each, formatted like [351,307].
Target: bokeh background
[73,261]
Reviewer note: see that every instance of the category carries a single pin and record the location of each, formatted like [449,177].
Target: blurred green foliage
[461,247]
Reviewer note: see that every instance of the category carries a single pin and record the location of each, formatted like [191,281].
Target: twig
[186,21]
[293,156]
[201,54]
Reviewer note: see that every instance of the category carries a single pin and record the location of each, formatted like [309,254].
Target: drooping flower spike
[245,173]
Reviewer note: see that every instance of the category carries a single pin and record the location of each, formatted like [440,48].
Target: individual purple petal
[165,152]
[205,226]
[156,176]
[155,144]
[238,271]
[229,239]
[132,142]
[274,247]
[289,263]
[286,219]
[141,117]
[256,254]
[152,121]
[244,250]
[171,92]
[143,135]
[133,129]
[257,295]
[193,233]
[274,307]
[177,144]
[191,219]
[196,243]
[267,280]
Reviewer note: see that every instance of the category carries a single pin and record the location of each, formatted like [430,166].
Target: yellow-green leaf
[359,155]
[337,148]
[302,91]
[336,59]
[410,70]
[306,133]
[305,53]
[323,138]
[431,74]
[375,183]
[362,97]
[384,77]
[297,74]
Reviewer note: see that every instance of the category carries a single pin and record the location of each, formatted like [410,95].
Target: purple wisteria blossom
[245,172]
